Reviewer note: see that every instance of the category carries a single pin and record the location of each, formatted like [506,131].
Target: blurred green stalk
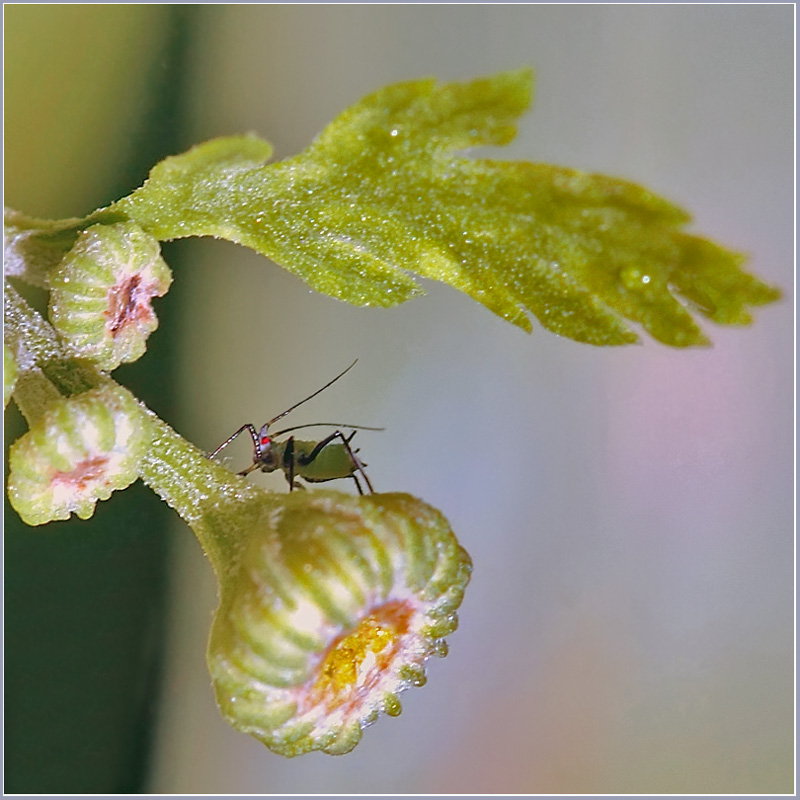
[85,601]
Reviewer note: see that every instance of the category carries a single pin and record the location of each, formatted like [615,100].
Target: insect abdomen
[333,461]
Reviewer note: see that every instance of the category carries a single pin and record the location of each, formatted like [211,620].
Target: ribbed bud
[332,612]
[80,451]
[9,374]
[101,292]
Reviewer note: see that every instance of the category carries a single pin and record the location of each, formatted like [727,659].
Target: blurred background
[629,626]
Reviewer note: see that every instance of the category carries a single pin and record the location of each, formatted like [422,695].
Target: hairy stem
[207,496]
[219,506]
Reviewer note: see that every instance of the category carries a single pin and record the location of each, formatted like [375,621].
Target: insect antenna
[292,408]
[327,424]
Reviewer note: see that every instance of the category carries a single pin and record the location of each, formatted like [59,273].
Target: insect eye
[265,440]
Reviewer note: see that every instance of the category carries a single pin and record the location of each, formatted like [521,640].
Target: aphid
[316,462]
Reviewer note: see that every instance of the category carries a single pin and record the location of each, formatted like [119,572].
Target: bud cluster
[337,604]
[100,293]
[81,450]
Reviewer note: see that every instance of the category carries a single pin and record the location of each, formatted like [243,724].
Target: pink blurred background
[629,627]
[629,511]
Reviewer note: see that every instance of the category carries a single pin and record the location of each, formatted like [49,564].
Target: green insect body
[333,461]
[330,459]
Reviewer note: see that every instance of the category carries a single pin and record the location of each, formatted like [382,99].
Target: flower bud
[81,450]
[333,609]
[101,292]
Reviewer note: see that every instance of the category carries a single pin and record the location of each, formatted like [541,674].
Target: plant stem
[220,507]
[206,495]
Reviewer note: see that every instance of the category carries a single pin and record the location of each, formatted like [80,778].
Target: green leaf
[383,193]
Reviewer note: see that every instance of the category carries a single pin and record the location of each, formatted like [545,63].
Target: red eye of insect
[265,440]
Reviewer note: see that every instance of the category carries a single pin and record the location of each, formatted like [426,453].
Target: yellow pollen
[340,670]
[355,663]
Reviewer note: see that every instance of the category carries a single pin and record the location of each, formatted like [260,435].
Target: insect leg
[353,457]
[288,462]
[318,448]
[246,427]
[357,462]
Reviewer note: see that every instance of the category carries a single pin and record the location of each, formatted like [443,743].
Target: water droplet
[440,648]
[391,705]
[633,278]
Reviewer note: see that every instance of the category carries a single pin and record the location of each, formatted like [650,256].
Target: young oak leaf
[383,193]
